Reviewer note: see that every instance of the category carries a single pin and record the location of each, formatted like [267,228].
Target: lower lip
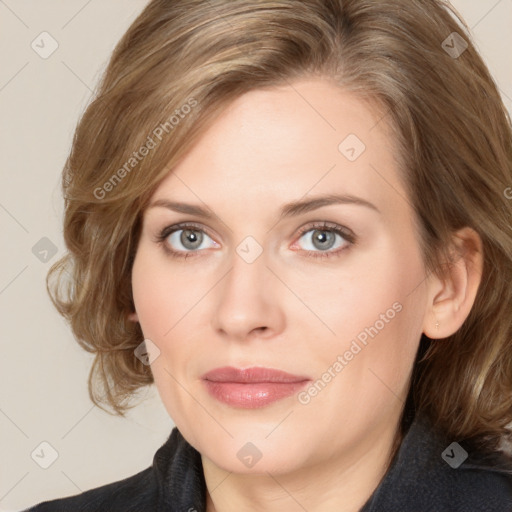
[252,395]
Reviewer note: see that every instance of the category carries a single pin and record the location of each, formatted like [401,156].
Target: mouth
[252,388]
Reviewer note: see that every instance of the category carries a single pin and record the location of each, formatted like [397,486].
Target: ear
[450,300]
[133,317]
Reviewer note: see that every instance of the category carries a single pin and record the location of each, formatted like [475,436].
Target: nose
[247,303]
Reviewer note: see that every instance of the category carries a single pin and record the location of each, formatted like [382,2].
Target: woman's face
[331,292]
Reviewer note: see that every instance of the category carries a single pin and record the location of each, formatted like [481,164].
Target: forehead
[271,146]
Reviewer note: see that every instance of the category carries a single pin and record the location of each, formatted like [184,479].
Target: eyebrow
[288,210]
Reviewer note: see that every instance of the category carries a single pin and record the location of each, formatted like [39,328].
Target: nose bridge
[246,300]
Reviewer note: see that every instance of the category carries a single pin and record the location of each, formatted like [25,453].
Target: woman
[293,218]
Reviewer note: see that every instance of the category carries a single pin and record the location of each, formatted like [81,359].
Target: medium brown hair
[182,61]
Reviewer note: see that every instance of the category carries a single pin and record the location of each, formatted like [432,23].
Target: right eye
[190,237]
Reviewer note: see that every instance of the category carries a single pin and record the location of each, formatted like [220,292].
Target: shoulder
[174,479]
[135,493]
[432,473]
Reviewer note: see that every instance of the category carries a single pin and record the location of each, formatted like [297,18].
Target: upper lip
[254,374]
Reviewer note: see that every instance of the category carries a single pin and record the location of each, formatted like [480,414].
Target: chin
[276,463]
[253,451]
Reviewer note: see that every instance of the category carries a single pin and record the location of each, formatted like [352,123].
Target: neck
[340,483]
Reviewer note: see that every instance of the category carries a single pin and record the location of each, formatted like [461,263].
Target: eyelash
[345,233]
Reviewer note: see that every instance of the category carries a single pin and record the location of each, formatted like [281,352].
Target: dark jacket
[428,474]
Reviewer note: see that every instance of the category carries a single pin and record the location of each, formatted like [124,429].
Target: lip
[251,388]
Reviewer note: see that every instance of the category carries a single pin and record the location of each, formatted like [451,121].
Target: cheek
[394,331]
[381,321]
[159,294]
[165,301]
[161,302]
[376,295]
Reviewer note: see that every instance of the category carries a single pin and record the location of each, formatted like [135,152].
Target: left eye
[190,239]
[324,239]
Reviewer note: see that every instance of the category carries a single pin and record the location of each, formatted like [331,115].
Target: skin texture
[287,309]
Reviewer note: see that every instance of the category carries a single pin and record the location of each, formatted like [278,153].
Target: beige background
[43,371]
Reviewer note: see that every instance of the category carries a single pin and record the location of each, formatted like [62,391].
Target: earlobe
[451,299]
[133,317]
